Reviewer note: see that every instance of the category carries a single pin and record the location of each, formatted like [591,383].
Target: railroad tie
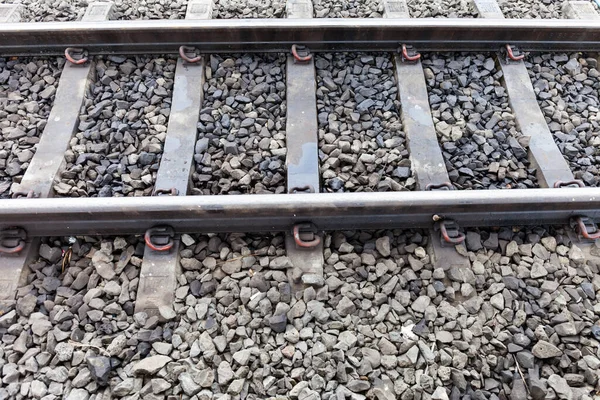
[160,268]
[49,159]
[304,245]
[543,152]
[426,160]
[582,10]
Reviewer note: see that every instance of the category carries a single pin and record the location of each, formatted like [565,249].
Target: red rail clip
[439,186]
[406,56]
[511,54]
[183,50]
[12,240]
[160,238]
[559,184]
[69,52]
[306,228]
[586,227]
[301,54]
[166,192]
[450,233]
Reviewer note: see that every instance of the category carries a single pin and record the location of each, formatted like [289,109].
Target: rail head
[328,211]
[277,35]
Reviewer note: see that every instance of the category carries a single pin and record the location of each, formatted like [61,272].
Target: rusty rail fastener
[449,232]
[69,53]
[407,57]
[306,228]
[24,194]
[301,54]
[183,50]
[12,240]
[439,186]
[586,227]
[511,55]
[160,238]
[166,192]
[302,189]
[559,184]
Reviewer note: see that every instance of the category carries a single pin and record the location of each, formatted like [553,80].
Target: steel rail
[256,213]
[278,35]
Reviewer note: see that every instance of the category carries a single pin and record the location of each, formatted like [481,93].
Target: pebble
[150,365]
[543,349]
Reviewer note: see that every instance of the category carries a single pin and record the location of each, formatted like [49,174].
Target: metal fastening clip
[183,50]
[166,192]
[12,240]
[301,54]
[510,54]
[23,194]
[70,52]
[575,182]
[439,186]
[412,57]
[302,189]
[160,238]
[586,227]
[449,231]
[305,235]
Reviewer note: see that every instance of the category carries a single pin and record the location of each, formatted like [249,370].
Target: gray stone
[543,349]
[150,365]
[100,368]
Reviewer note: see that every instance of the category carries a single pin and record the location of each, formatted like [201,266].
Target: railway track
[161,137]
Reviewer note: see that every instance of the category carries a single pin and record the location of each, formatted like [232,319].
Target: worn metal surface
[178,151]
[329,211]
[48,160]
[544,154]
[277,35]
[302,158]
[427,162]
[160,269]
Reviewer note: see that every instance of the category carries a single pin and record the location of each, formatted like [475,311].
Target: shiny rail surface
[278,35]
[271,213]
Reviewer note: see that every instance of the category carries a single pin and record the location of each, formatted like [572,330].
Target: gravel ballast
[123,124]
[241,133]
[233,9]
[361,143]
[545,9]
[476,129]
[385,325]
[441,9]
[567,91]
[27,91]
